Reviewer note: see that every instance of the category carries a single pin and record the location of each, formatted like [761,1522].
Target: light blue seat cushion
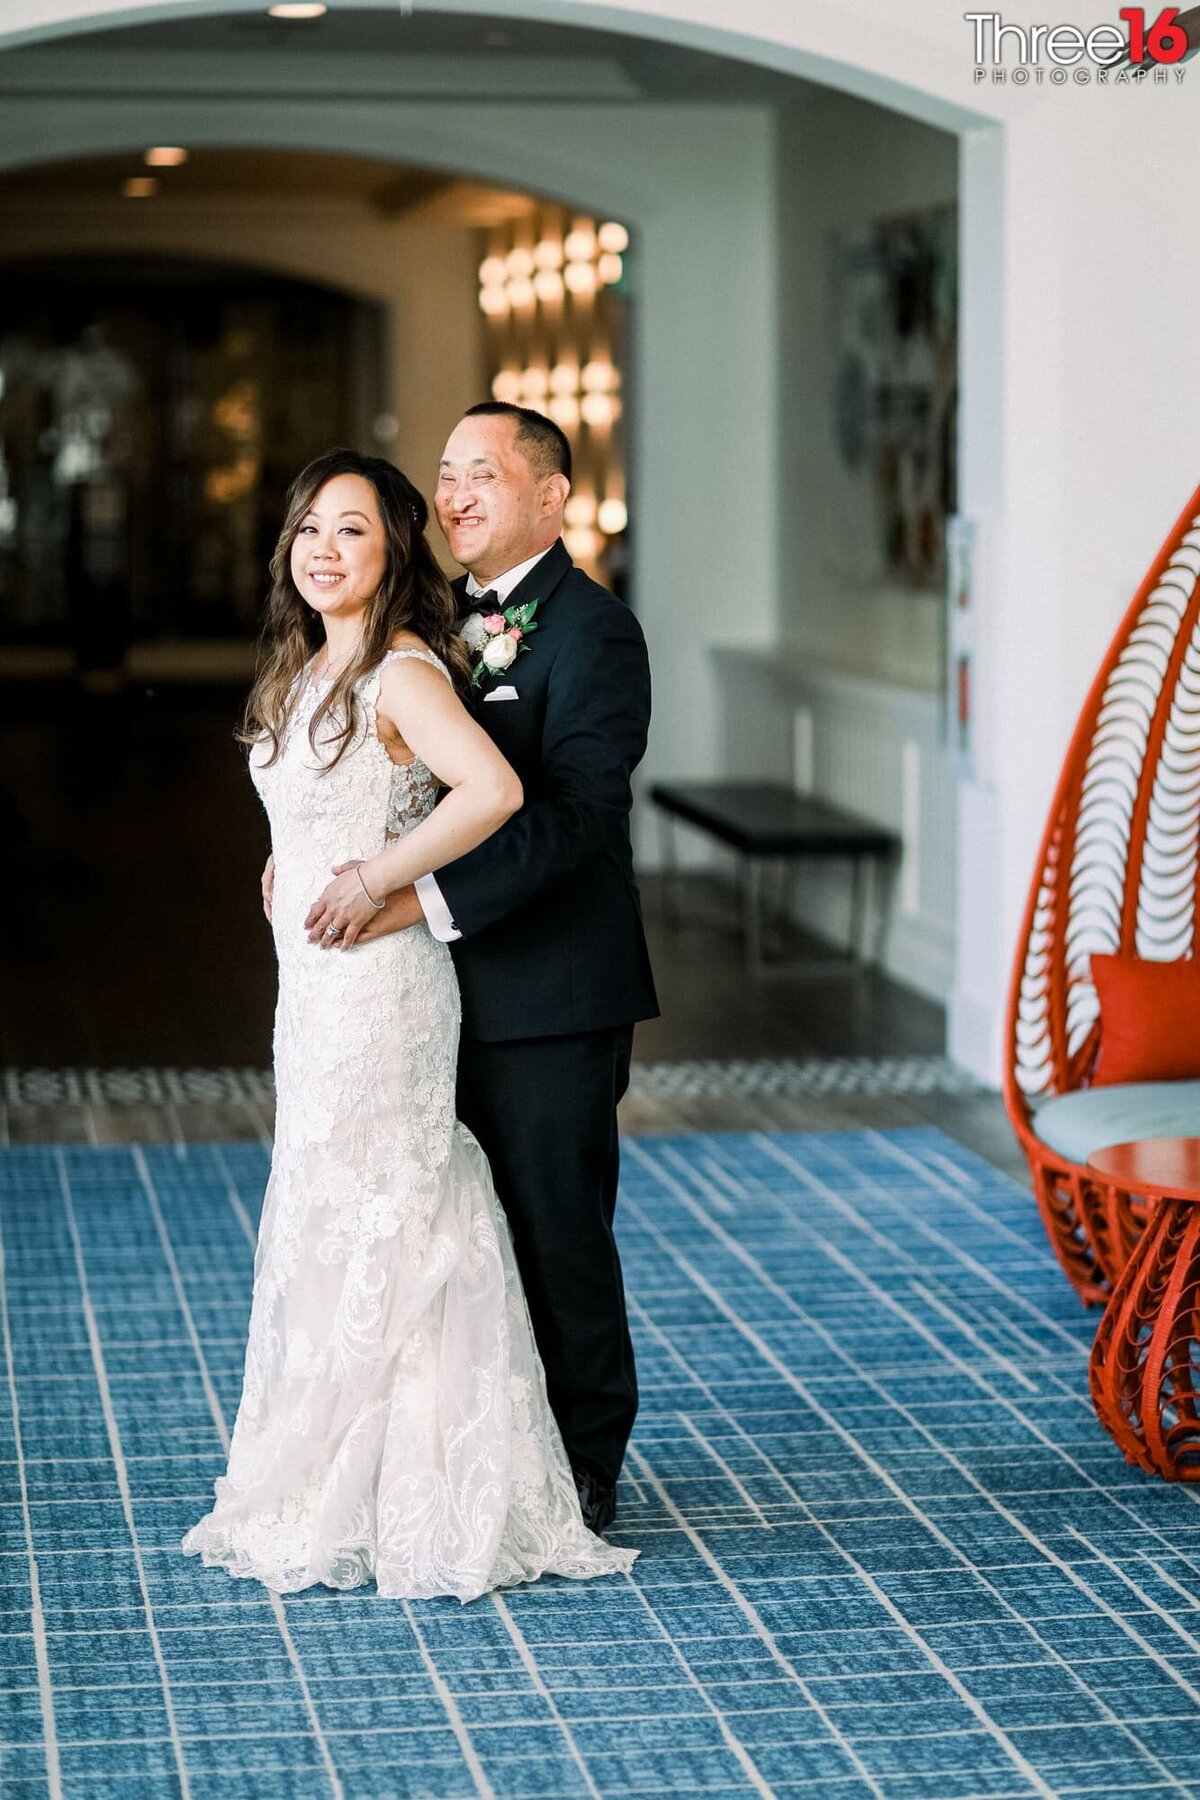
[1077,1124]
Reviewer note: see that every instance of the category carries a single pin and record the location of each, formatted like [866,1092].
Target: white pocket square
[504,693]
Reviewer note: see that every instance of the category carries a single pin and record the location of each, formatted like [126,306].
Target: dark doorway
[152,413]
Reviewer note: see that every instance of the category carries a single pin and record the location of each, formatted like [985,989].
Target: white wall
[848,703]
[1080,459]
[843,166]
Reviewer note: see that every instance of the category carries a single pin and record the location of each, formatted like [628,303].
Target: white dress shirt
[433,901]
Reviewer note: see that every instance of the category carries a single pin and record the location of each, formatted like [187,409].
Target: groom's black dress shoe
[597,1500]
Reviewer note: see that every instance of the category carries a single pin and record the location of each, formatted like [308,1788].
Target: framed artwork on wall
[894,312]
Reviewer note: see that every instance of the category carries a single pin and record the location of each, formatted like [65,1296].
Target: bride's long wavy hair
[414,596]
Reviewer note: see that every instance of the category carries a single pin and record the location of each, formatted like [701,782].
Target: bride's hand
[336,918]
[268,886]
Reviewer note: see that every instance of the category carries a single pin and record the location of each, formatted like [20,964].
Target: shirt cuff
[437,913]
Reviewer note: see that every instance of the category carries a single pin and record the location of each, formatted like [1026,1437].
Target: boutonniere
[496,639]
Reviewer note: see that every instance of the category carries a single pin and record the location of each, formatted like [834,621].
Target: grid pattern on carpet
[886,1550]
[697,1079]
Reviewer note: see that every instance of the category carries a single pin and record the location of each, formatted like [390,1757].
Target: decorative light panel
[553,290]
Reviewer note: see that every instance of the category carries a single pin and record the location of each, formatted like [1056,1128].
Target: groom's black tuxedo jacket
[552,932]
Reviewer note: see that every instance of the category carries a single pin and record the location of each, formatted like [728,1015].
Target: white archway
[1080,430]
[697,190]
[685,182]
[907,66]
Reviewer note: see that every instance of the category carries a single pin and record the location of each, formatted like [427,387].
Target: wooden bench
[766,822]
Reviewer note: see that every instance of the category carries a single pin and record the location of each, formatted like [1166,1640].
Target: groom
[544,923]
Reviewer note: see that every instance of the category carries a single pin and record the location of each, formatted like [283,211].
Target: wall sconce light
[580,244]
[548,286]
[580,509]
[581,263]
[139,187]
[561,364]
[580,278]
[165,156]
[583,542]
[599,410]
[598,377]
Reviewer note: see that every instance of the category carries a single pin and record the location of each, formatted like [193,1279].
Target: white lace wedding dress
[393,1421]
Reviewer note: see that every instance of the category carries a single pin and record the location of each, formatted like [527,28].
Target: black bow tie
[488,602]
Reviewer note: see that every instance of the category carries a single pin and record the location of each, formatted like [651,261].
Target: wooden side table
[1144,1372]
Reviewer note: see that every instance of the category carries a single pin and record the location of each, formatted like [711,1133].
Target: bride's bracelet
[377,904]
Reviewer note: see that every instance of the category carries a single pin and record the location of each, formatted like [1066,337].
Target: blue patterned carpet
[887,1551]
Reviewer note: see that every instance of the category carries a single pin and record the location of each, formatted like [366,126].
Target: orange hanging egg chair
[1117,872]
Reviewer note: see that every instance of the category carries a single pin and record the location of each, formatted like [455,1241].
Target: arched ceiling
[438,55]
[685,50]
[222,174]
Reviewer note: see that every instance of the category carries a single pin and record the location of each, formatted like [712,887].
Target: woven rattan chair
[1117,871]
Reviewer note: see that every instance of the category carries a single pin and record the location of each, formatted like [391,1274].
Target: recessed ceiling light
[165,156]
[139,187]
[298,9]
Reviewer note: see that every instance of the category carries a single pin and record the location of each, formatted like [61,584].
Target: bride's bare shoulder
[410,674]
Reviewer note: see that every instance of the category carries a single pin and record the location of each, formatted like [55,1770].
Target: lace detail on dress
[393,1421]
[414,787]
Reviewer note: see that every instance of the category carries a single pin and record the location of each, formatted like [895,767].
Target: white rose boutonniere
[496,639]
[500,653]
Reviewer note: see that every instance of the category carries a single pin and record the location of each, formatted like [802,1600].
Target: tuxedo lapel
[538,585]
[542,580]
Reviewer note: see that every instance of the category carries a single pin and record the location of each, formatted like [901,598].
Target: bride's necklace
[326,674]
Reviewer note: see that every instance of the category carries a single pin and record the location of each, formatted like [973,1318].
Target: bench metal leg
[752,911]
[857,944]
[884,884]
[869,893]
[788,897]
[666,840]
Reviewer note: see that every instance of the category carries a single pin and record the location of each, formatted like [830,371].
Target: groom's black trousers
[545,1113]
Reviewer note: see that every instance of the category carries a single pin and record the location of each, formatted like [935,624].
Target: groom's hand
[400,910]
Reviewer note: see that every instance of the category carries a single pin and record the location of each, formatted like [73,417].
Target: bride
[393,1421]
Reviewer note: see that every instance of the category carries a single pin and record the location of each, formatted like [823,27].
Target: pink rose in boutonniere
[496,639]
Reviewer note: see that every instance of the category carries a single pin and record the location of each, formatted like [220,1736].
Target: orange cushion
[1149,1019]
